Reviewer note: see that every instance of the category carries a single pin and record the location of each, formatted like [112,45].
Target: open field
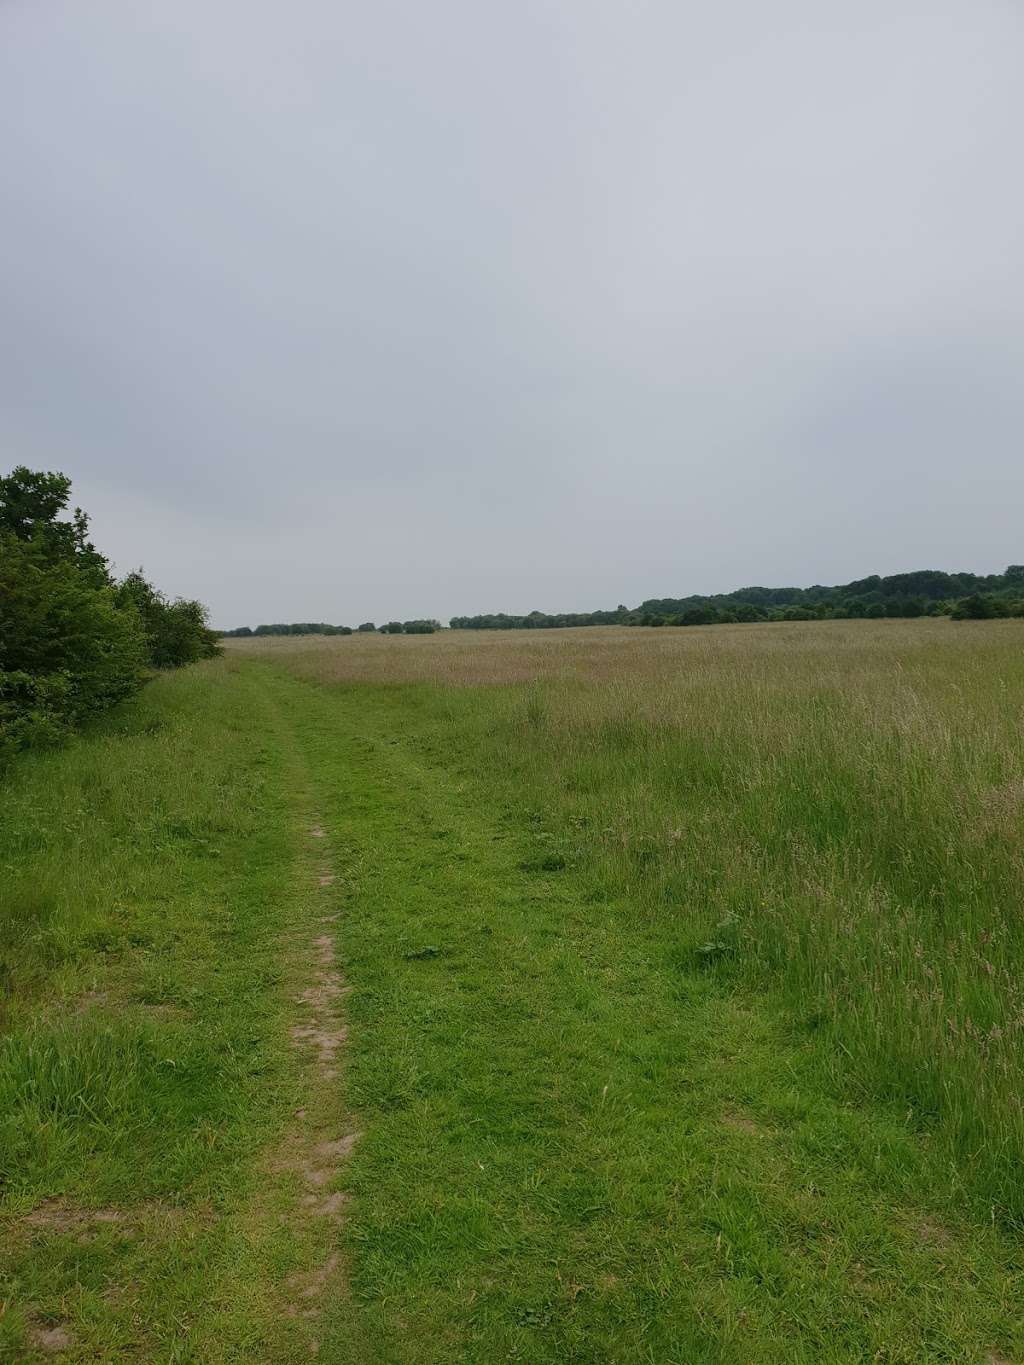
[681,985]
[838,807]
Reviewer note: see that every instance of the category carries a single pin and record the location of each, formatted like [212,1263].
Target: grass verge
[155,914]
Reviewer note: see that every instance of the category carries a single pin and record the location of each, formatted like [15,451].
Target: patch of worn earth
[743,1123]
[50,1340]
[59,1216]
[313,1151]
[62,1218]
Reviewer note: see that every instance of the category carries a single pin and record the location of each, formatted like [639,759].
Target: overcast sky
[345,311]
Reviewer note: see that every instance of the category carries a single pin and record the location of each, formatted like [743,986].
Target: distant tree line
[539,620]
[925,592]
[410,627]
[73,638]
[321,628]
[295,628]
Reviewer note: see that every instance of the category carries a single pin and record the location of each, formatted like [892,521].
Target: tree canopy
[925,592]
[292,628]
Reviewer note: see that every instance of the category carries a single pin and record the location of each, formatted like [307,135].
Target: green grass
[148,888]
[830,812]
[646,1040]
[582,1144]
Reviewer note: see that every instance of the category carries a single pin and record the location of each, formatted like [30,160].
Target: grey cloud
[361,311]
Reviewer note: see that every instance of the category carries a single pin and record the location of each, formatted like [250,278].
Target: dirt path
[307,1208]
[316,1144]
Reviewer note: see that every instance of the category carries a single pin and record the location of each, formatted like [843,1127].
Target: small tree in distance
[974,608]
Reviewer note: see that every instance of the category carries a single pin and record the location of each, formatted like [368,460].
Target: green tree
[71,641]
[30,505]
[176,632]
[974,608]
[67,648]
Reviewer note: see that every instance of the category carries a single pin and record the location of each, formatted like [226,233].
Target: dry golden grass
[787,652]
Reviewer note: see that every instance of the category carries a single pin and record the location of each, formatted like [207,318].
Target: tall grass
[830,811]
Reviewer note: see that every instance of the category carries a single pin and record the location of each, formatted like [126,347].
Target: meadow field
[574,995]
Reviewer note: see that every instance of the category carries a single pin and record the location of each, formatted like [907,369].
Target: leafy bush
[54,623]
[696,616]
[32,710]
[176,632]
[72,641]
[975,608]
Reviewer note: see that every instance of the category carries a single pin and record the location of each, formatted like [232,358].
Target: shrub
[974,608]
[71,640]
[54,624]
[32,710]
[176,632]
